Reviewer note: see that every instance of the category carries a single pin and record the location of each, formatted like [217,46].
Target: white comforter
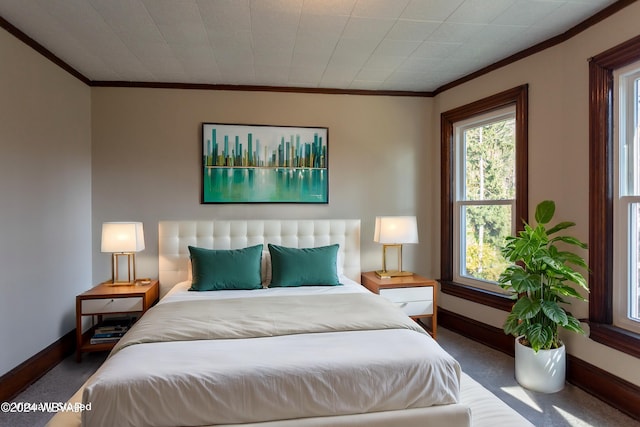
[227,381]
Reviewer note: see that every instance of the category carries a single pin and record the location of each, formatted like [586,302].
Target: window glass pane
[626,313]
[489,161]
[485,228]
[634,263]
[628,134]
[634,121]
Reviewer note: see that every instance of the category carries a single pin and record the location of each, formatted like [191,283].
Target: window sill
[616,338]
[480,296]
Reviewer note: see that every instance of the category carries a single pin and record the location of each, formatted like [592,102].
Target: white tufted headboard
[174,237]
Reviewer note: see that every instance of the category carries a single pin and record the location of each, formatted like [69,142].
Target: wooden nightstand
[108,299]
[415,294]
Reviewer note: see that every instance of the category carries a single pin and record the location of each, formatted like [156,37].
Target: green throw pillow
[215,269]
[304,267]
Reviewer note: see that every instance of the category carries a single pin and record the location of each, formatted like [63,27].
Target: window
[613,197]
[484,187]
[484,202]
[627,199]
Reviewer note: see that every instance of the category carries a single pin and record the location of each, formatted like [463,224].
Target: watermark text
[51,407]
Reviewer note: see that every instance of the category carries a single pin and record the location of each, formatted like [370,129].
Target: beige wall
[45,188]
[558,151]
[147,164]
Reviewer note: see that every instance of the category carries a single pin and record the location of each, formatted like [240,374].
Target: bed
[271,356]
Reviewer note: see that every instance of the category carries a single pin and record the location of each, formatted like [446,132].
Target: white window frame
[459,202]
[624,246]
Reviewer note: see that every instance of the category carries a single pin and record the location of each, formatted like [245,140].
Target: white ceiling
[404,45]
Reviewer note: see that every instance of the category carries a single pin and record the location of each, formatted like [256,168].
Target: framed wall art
[264,164]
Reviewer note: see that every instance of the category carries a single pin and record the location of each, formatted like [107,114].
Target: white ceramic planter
[543,371]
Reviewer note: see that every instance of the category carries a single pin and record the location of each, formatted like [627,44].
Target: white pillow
[266,269]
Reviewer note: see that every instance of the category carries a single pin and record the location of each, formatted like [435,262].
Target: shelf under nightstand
[107,299]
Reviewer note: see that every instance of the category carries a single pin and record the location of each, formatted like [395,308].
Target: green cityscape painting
[264,164]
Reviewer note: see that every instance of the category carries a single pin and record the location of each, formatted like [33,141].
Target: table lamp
[394,231]
[122,239]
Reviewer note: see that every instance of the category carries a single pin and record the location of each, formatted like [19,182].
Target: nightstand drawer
[416,308]
[111,305]
[402,295]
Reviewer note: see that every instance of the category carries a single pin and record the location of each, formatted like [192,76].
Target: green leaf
[572,258]
[511,325]
[540,235]
[570,240]
[519,280]
[573,325]
[527,230]
[505,276]
[539,336]
[526,308]
[545,211]
[554,312]
[564,272]
[561,226]
[567,291]
[576,278]
[555,266]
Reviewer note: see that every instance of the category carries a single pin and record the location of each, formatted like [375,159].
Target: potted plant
[540,279]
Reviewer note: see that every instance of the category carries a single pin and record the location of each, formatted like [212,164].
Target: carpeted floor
[494,370]
[491,368]
[57,385]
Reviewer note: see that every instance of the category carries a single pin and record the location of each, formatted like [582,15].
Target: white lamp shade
[396,229]
[122,237]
